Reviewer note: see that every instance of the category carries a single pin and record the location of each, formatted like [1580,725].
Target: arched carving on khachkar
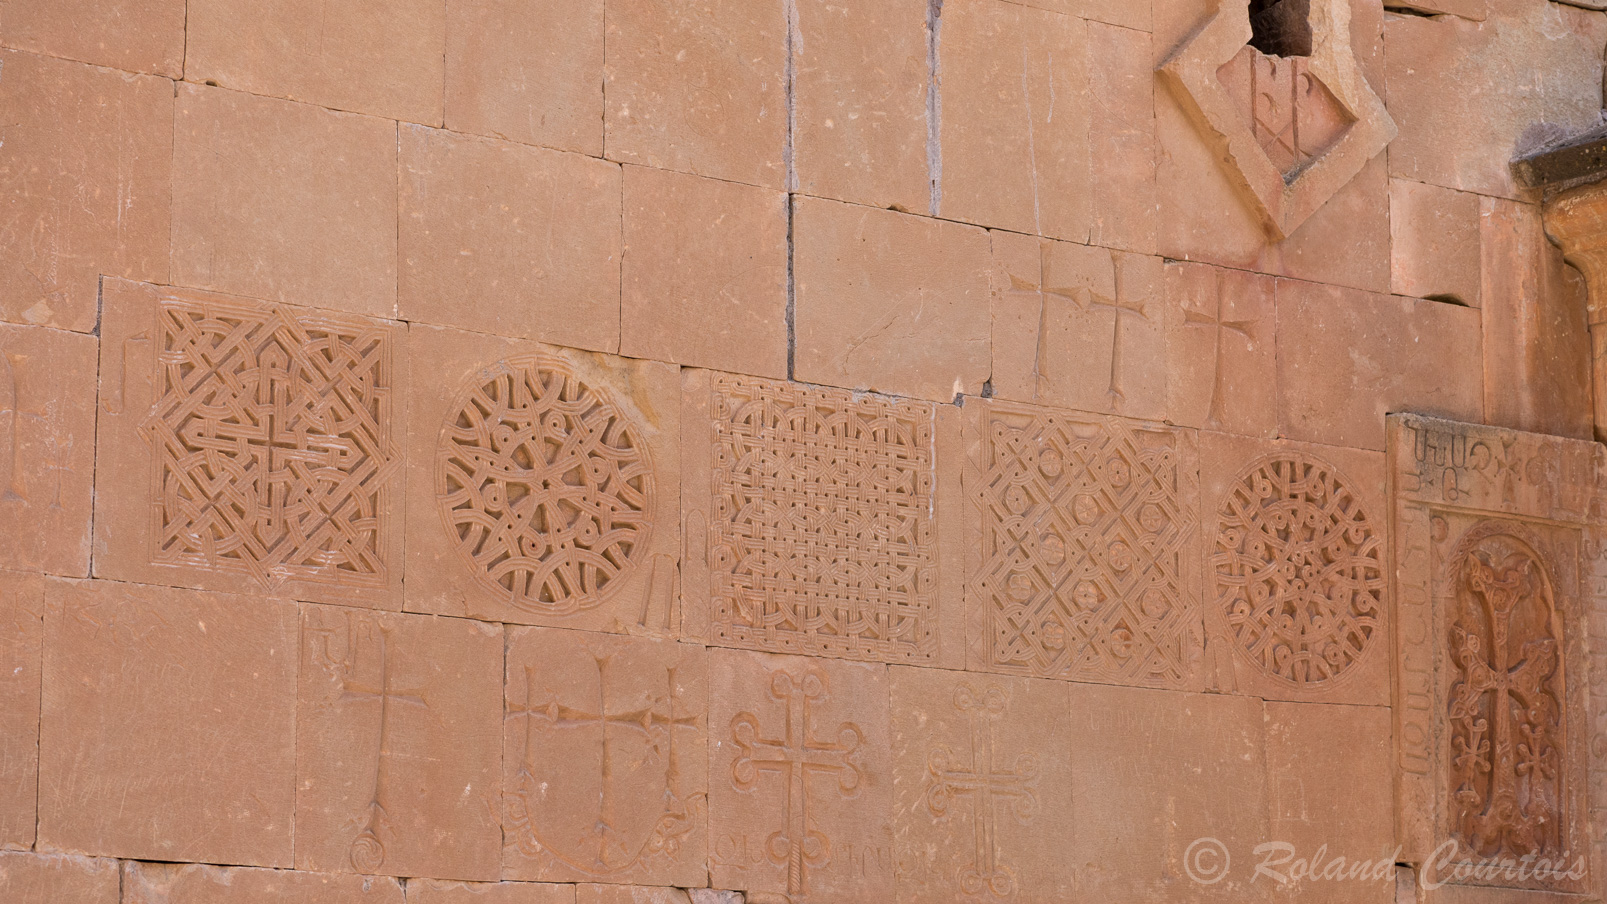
[1499,614]
[1290,130]
[1299,571]
[1505,708]
[546,485]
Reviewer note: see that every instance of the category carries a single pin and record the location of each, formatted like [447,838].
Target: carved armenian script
[1086,531]
[822,536]
[546,485]
[272,439]
[1299,570]
[1505,709]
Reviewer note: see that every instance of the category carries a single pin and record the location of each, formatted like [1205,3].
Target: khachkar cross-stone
[796,757]
[614,853]
[368,848]
[1218,325]
[1504,707]
[989,788]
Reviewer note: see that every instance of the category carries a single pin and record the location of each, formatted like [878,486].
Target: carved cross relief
[1291,129]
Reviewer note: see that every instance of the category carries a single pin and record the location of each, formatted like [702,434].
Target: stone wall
[527,451]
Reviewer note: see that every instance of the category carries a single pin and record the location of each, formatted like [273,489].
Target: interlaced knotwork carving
[822,534]
[272,442]
[546,485]
[1085,525]
[1299,570]
[1505,704]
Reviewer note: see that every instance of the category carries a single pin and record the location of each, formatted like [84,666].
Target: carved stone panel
[800,793]
[1082,556]
[1296,570]
[1291,130]
[605,762]
[397,744]
[982,803]
[544,485]
[820,523]
[1493,690]
[247,444]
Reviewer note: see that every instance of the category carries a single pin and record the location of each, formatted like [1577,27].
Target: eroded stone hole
[1281,27]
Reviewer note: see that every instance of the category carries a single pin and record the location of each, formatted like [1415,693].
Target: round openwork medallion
[546,485]
[1299,570]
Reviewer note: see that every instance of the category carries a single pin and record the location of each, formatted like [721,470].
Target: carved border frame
[1191,72]
[1439,469]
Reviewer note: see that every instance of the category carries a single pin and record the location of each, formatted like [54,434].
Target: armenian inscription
[822,536]
[1085,531]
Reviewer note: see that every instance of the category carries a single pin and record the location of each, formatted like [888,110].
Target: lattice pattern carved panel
[1084,563]
[822,530]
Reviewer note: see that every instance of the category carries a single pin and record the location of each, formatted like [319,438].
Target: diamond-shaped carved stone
[1291,131]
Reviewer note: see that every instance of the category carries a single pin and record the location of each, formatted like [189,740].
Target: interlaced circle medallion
[1299,570]
[546,485]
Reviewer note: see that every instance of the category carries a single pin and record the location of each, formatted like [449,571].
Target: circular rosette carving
[1299,570]
[546,485]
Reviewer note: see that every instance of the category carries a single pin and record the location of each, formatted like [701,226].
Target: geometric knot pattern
[545,485]
[822,533]
[1085,531]
[1299,570]
[272,437]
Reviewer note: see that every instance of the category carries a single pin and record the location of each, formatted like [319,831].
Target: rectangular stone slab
[22,610]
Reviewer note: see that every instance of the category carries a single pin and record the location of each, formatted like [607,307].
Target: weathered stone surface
[47,449]
[1521,58]
[605,759]
[398,740]
[1328,783]
[630,894]
[22,609]
[168,724]
[821,512]
[84,184]
[284,201]
[1435,234]
[247,445]
[169,883]
[1079,327]
[800,792]
[432,891]
[545,485]
[1152,772]
[861,83]
[1490,560]
[1222,356]
[1082,554]
[1295,570]
[136,35]
[705,280]
[507,239]
[1015,126]
[890,302]
[1347,358]
[1124,205]
[1537,347]
[982,789]
[57,878]
[346,54]
[527,70]
[698,88]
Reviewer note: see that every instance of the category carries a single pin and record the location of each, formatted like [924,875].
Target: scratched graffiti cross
[989,788]
[615,842]
[796,757]
[367,852]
